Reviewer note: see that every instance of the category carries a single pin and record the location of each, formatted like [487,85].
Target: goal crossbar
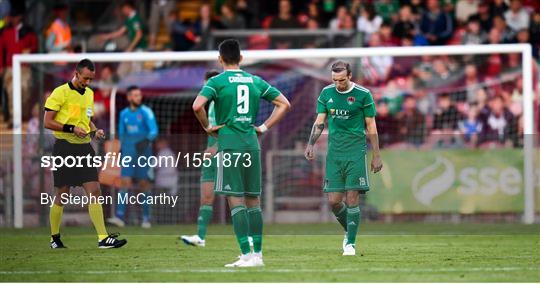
[524,49]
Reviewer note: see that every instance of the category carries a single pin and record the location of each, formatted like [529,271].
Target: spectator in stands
[497,124]
[523,36]
[474,35]
[387,124]
[204,25]
[387,9]
[369,22]
[376,68]
[435,24]
[354,8]
[133,27]
[337,22]
[406,24]
[183,37]
[284,20]
[16,38]
[494,63]
[159,10]
[313,13]
[58,34]
[385,33]
[465,9]
[230,19]
[517,17]
[445,123]
[418,7]
[506,33]
[312,41]
[498,8]
[484,15]
[471,82]
[534,29]
[248,10]
[470,127]
[412,122]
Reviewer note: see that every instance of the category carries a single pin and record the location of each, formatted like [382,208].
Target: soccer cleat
[56,243]
[194,240]
[345,239]
[243,261]
[116,221]
[349,250]
[250,240]
[146,225]
[111,241]
[257,259]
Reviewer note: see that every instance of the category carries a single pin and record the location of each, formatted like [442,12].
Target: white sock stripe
[353,210]
[254,209]
[367,171]
[219,180]
[237,209]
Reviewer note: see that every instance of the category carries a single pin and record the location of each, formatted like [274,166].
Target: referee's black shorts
[73,176]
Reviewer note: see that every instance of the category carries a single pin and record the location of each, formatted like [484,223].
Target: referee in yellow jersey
[68,112]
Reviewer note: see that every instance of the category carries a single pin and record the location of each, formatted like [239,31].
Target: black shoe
[111,241]
[56,243]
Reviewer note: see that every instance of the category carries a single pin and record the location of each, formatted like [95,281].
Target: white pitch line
[276,270]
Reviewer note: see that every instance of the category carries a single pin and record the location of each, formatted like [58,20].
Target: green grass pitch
[292,253]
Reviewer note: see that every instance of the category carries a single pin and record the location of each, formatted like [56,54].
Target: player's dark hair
[229,50]
[339,66]
[132,88]
[131,4]
[210,73]
[85,63]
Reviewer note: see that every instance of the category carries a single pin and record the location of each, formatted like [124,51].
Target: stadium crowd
[422,101]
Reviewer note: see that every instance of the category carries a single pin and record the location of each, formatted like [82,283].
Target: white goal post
[524,49]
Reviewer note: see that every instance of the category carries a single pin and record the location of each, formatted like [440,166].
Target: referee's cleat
[349,250]
[56,243]
[111,241]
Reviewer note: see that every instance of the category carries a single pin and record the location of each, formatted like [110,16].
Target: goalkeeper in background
[137,128]
[350,110]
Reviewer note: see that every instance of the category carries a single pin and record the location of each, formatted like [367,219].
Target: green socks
[240,225]
[255,227]
[205,215]
[353,222]
[341,215]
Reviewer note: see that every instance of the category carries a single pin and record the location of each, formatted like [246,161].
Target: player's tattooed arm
[316,132]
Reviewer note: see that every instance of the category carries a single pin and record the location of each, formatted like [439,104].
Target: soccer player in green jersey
[351,116]
[208,175]
[236,95]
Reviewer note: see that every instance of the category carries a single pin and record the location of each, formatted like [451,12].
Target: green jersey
[133,24]
[346,112]
[236,95]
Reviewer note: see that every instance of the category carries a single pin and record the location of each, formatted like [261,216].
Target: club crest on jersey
[351,100]
[139,117]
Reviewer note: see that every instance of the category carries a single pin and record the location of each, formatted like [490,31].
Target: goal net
[456,127]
